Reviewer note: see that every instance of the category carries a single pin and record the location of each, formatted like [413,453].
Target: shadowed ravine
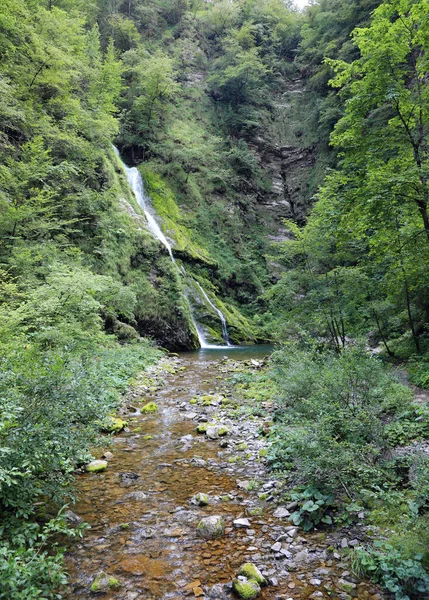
[143,526]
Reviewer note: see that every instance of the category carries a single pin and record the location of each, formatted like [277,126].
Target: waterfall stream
[136,183]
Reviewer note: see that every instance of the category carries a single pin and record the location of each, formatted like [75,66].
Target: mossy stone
[211,528]
[201,499]
[247,590]
[250,571]
[96,466]
[148,437]
[223,431]
[103,583]
[150,407]
[201,428]
[113,425]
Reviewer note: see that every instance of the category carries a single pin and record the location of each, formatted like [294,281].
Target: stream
[143,525]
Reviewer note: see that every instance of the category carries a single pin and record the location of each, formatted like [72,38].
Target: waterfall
[136,183]
[219,313]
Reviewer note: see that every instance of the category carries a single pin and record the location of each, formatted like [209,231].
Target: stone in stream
[103,583]
[240,523]
[150,407]
[200,499]
[96,466]
[251,571]
[113,425]
[281,512]
[212,432]
[246,589]
[211,528]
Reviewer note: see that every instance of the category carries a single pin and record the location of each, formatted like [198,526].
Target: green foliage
[312,509]
[404,577]
[31,560]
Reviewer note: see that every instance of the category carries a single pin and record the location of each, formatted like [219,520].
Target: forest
[286,154]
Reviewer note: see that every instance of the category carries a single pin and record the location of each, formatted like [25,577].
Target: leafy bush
[313,505]
[404,577]
[331,417]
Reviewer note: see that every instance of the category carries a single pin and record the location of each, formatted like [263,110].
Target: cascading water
[219,313]
[136,184]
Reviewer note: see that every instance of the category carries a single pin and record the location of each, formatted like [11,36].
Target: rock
[276,547]
[108,455]
[246,589]
[301,556]
[113,425]
[212,432]
[138,496]
[344,543]
[251,572]
[281,512]
[72,518]
[211,528]
[150,407]
[346,586]
[128,479]
[96,466]
[200,499]
[240,523]
[223,431]
[201,428]
[103,583]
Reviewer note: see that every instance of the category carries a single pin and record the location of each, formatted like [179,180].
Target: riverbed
[143,522]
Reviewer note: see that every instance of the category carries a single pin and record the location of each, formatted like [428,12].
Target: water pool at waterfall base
[143,521]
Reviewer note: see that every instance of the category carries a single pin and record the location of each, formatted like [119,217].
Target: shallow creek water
[143,527]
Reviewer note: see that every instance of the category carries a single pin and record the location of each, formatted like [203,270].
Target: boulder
[211,528]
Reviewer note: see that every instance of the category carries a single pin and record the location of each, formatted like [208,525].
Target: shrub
[404,577]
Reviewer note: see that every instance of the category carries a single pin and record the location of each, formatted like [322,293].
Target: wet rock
[200,499]
[138,496]
[241,523]
[150,407]
[245,588]
[96,466]
[104,583]
[251,572]
[128,479]
[211,528]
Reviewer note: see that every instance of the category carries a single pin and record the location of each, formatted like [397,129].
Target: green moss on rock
[250,571]
[150,407]
[113,425]
[247,590]
[96,466]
